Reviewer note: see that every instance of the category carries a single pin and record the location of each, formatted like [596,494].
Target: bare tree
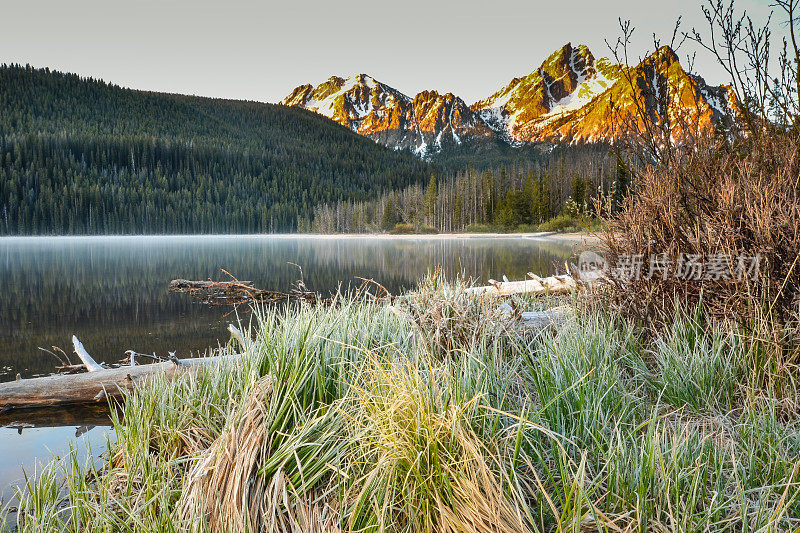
[743,48]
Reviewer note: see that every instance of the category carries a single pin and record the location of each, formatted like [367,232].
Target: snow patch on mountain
[588,88]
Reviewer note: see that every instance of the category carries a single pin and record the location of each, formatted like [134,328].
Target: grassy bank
[424,416]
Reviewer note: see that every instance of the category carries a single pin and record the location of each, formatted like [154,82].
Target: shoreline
[551,236]
[544,236]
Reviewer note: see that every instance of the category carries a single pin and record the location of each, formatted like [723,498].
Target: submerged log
[82,416]
[238,292]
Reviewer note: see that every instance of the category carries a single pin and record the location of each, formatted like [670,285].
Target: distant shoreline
[548,236]
[542,235]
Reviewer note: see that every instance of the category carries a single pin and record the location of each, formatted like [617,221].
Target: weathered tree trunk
[536,285]
[99,384]
[92,387]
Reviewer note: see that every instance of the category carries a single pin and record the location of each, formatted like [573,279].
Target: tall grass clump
[701,366]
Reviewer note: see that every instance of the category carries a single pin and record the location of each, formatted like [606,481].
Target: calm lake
[112,293]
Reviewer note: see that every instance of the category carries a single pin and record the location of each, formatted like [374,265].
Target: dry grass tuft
[449,320]
[447,317]
[219,489]
[240,483]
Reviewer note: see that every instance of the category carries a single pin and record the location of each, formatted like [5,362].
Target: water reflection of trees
[113,292]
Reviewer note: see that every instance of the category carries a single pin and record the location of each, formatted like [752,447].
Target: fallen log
[536,321]
[532,322]
[99,384]
[559,284]
[536,285]
[93,387]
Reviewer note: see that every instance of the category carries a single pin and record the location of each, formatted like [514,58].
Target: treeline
[570,182]
[80,156]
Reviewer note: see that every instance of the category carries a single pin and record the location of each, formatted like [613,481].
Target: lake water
[112,293]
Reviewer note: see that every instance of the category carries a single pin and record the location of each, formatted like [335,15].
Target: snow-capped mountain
[571,97]
[425,124]
[565,82]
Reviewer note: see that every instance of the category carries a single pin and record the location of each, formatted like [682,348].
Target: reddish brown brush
[720,199]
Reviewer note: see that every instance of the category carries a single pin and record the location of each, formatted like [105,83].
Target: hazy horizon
[259,51]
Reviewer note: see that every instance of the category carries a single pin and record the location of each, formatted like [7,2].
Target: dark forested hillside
[80,156]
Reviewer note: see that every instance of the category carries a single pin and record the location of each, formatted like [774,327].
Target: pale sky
[262,50]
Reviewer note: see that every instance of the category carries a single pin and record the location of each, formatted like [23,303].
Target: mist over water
[112,291]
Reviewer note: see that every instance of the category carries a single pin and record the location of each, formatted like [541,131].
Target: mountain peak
[566,80]
[661,60]
[567,60]
[433,94]
[665,54]
[361,79]
[570,97]
[423,124]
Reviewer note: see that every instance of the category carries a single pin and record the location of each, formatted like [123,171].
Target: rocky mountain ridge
[571,98]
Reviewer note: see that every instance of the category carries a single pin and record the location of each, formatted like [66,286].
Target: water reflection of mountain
[112,292]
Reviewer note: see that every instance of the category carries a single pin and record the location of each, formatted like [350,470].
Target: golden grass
[219,488]
[423,466]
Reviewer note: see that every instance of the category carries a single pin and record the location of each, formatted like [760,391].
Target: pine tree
[430,201]
[390,218]
[488,197]
[540,201]
[457,212]
[622,183]
[579,192]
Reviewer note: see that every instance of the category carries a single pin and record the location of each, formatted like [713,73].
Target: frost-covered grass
[419,417]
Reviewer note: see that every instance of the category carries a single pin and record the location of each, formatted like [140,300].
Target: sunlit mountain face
[571,98]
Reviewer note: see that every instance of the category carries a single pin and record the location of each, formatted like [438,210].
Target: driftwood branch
[90,364]
[243,340]
[238,292]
